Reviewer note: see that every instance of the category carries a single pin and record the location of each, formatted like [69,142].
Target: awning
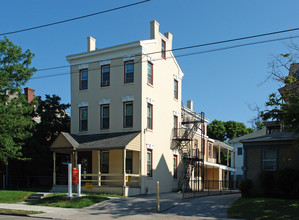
[66,142]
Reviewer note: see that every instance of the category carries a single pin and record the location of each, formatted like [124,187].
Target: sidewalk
[140,207]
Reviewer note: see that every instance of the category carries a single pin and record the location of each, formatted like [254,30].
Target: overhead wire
[73,19]
[205,44]
[177,56]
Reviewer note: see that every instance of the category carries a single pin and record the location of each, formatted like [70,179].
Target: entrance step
[35,196]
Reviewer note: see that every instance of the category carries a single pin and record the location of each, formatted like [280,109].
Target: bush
[267,181]
[245,186]
[288,182]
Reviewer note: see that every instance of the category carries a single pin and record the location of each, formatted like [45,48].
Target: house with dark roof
[238,146]
[267,154]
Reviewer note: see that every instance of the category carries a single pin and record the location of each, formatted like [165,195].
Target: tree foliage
[225,131]
[53,120]
[15,111]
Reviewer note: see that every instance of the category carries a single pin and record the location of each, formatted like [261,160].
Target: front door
[85,159]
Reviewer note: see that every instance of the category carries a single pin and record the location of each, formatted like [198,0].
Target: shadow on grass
[62,201]
[264,208]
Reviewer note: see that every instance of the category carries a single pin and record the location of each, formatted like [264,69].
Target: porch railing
[113,179]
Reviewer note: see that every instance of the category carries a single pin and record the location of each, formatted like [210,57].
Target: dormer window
[163,49]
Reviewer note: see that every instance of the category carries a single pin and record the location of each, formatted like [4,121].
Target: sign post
[79,181]
[70,193]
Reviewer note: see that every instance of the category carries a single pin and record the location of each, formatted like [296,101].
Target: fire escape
[192,158]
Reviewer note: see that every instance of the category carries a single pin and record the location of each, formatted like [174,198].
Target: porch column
[76,158]
[54,168]
[99,168]
[124,171]
[219,152]
[227,161]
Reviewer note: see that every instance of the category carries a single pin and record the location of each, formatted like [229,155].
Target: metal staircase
[191,157]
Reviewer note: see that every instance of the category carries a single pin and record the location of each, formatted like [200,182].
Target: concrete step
[35,196]
[61,189]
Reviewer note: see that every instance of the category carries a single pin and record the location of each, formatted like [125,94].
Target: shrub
[245,187]
[288,182]
[267,181]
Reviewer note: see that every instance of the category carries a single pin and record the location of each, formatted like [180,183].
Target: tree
[53,120]
[225,131]
[216,130]
[15,112]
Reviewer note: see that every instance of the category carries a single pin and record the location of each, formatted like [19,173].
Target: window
[149,116]
[105,117]
[83,79]
[269,161]
[149,163]
[150,73]
[163,49]
[83,112]
[240,150]
[175,166]
[105,75]
[210,150]
[175,126]
[129,162]
[105,162]
[176,88]
[195,143]
[129,71]
[128,114]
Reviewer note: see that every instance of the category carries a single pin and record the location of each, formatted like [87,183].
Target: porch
[110,163]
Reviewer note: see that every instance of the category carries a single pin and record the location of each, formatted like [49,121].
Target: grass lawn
[18,212]
[13,196]
[60,200]
[264,208]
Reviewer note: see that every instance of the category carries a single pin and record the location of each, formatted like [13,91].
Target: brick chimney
[29,93]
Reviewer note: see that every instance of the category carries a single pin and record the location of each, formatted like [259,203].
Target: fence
[210,187]
[28,182]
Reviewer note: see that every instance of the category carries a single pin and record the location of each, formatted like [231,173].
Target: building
[267,155]
[125,107]
[238,146]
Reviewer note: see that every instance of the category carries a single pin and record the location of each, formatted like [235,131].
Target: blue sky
[222,83]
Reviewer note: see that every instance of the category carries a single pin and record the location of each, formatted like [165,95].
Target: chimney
[190,104]
[91,43]
[154,29]
[29,93]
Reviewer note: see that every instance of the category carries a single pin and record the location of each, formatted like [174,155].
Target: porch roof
[66,142]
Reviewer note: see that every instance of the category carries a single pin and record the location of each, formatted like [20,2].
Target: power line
[204,45]
[73,19]
[181,55]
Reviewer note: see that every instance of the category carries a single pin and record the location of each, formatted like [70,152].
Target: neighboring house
[269,153]
[238,146]
[125,109]
[201,154]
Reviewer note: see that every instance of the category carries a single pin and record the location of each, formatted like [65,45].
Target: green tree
[225,131]
[53,120]
[15,112]
[216,130]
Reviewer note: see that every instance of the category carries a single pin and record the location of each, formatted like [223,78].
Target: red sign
[75,176]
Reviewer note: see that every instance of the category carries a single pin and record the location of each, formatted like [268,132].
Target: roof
[71,142]
[247,136]
[279,136]
[224,145]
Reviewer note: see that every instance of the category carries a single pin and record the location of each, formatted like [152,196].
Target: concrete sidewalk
[140,207]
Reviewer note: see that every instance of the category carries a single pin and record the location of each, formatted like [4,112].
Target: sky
[223,84]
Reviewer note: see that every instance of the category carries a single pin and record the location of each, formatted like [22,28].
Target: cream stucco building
[125,107]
